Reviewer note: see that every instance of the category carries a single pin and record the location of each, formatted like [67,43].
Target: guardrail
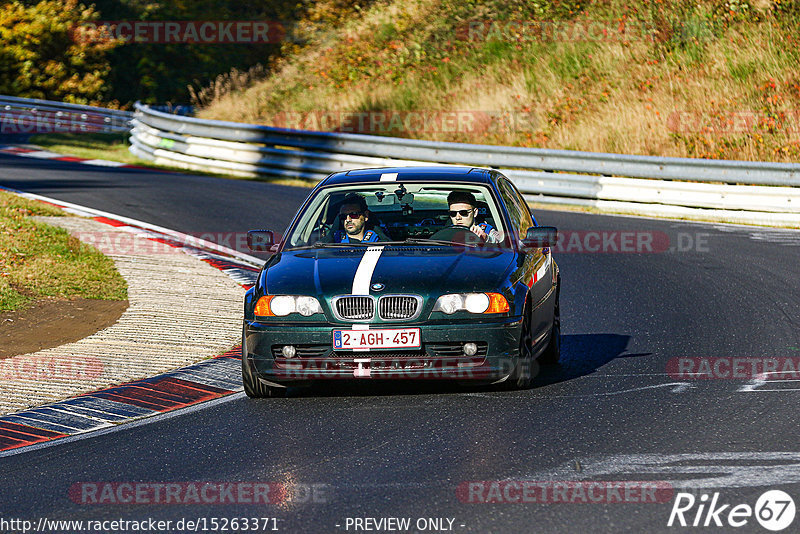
[33,116]
[735,191]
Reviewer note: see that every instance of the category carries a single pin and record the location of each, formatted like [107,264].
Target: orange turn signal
[262,307]
[497,303]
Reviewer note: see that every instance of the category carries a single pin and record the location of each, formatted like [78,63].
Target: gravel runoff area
[181,311]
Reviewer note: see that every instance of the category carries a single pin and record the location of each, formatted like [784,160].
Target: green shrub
[40,59]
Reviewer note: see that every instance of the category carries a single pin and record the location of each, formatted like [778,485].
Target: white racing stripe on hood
[388,177]
[365,269]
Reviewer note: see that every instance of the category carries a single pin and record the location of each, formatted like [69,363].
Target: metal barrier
[735,191]
[22,116]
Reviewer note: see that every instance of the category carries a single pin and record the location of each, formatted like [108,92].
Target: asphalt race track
[616,410]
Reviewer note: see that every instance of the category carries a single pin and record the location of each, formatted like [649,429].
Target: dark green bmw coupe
[404,273]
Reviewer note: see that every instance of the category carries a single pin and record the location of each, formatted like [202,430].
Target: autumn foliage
[39,58]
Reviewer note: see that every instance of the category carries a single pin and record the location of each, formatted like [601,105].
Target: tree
[40,56]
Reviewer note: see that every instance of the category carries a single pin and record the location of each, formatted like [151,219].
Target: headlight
[283,305]
[306,306]
[471,302]
[476,302]
[449,304]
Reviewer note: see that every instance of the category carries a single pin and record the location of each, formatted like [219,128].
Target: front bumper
[441,355]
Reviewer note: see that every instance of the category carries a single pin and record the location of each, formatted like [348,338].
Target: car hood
[420,270]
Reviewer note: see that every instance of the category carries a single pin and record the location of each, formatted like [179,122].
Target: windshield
[397,213]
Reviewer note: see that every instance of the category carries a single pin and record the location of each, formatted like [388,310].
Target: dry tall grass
[694,89]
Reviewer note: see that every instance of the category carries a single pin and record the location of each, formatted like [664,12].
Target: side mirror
[540,237]
[260,240]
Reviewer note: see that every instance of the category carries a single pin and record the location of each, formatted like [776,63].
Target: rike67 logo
[774,510]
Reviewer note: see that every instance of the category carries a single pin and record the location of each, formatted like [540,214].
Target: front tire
[253,387]
[522,375]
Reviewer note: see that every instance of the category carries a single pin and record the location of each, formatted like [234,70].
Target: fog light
[288,351]
[470,349]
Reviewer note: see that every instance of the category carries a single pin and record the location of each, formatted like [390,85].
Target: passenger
[354,216]
[463,210]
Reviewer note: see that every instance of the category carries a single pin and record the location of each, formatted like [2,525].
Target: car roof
[441,173]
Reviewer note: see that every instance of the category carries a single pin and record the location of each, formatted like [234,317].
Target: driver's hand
[478,231]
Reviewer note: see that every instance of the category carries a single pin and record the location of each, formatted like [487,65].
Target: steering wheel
[321,232]
[325,230]
[457,232]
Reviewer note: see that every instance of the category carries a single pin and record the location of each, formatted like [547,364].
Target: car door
[536,265]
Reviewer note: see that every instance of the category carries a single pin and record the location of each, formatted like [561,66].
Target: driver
[463,210]
[354,216]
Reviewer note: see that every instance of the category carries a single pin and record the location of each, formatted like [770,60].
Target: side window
[517,208]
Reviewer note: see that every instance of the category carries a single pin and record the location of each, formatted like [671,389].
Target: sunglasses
[352,215]
[463,213]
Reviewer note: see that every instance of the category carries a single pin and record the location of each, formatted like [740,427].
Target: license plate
[389,338]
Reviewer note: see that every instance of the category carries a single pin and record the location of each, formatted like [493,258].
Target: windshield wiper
[410,240]
[319,244]
[425,241]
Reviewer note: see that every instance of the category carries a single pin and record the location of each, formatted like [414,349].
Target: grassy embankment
[707,78]
[113,147]
[39,261]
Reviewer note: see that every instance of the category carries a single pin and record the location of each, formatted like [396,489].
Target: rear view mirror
[260,240]
[541,237]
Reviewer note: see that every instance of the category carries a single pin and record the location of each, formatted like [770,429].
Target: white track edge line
[124,425]
[251,260]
